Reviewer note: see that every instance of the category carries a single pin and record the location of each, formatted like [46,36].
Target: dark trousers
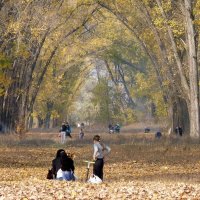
[98,168]
[68,134]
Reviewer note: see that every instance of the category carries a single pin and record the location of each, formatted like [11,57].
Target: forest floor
[139,167]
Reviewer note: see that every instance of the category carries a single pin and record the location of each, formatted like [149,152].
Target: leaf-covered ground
[137,168]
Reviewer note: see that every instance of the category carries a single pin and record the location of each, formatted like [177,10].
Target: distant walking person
[158,135]
[81,134]
[110,128]
[63,133]
[68,130]
[82,126]
[100,151]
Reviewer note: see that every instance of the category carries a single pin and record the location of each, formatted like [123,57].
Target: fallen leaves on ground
[132,171]
[35,189]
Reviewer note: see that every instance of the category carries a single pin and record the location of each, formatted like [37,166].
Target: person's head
[58,154]
[96,138]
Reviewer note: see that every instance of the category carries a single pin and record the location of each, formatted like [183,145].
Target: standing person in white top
[100,150]
[62,134]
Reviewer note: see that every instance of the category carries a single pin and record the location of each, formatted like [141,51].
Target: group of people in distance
[65,131]
[114,129]
[63,164]
[178,131]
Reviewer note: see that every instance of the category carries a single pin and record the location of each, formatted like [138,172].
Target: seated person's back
[56,163]
[67,168]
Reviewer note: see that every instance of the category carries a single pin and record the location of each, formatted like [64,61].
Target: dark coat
[67,164]
[56,165]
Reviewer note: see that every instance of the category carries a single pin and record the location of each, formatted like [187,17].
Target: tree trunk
[30,124]
[178,115]
[181,115]
[193,70]
[40,122]
[55,122]
[130,99]
[48,114]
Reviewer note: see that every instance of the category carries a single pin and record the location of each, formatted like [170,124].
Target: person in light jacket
[100,151]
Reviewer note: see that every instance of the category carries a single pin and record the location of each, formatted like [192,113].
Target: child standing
[100,151]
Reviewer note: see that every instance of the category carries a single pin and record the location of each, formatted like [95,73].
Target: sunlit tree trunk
[193,69]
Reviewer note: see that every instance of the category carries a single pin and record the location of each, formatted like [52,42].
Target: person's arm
[106,149]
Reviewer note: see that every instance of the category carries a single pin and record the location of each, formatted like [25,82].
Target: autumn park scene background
[129,62]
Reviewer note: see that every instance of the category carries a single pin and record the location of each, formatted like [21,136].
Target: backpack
[50,174]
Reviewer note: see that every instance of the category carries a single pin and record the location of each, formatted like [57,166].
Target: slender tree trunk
[48,114]
[40,122]
[116,85]
[121,73]
[55,122]
[30,124]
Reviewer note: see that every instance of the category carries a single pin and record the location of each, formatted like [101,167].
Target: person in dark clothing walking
[100,151]
[68,130]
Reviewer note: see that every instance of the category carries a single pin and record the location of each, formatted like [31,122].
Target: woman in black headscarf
[66,172]
[56,163]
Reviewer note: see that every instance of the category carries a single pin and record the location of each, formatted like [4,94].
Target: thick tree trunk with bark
[178,115]
[193,70]
[181,115]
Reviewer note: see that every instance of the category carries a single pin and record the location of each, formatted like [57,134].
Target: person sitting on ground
[66,172]
[68,130]
[147,130]
[117,128]
[158,135]
[56,163]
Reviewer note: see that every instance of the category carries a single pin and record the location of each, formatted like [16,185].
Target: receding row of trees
[35,36]
[167,32]
[148,47]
